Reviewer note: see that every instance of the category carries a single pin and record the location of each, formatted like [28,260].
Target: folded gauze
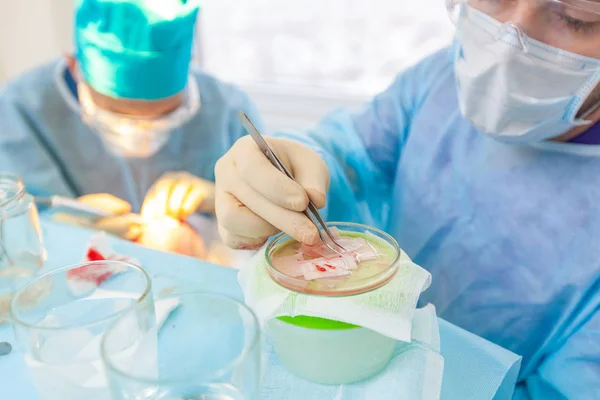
[388,310]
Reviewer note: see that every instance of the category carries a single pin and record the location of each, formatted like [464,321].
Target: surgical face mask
[515,88]
[135,137]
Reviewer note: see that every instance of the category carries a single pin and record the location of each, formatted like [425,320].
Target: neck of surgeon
[591,107]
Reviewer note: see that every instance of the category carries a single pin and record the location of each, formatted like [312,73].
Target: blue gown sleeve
[572,371]
[362,149]
[23,152]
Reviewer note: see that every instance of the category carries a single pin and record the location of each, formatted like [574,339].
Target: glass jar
[22,251]
[326,351]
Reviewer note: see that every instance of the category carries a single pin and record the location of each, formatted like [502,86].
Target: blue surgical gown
[510,234]
[44,140]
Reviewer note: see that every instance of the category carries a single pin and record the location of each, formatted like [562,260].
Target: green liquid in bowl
[329,355]
[304,321]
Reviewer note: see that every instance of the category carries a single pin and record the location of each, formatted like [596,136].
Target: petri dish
[369,276]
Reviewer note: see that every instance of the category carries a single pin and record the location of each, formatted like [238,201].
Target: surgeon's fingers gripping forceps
[312,213]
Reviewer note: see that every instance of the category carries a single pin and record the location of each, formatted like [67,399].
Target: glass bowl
[327,351]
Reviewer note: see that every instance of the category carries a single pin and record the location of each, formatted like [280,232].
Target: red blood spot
[102,277]
[330,266]
[321,269]
[89,273]
[94,255]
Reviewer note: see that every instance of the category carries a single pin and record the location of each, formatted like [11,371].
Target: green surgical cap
[135,49]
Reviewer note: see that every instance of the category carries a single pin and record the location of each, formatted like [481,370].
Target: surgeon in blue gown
[483,161]
[125,116]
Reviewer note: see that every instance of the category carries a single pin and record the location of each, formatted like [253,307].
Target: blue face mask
[515,95]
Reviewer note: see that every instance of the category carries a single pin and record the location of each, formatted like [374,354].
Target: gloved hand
[120,223]
[254,200]
[107,203]
[169,235]
[177,195]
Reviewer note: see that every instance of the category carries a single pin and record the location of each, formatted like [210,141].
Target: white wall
[293,108]
[32,32]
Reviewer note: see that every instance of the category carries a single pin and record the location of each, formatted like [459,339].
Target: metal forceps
[312,213]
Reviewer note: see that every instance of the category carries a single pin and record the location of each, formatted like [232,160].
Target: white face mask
[516,96]
[137,137]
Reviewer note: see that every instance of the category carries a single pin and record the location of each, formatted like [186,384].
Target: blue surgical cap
[135,49]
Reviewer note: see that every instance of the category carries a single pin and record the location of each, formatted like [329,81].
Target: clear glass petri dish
[60,318]
[363,280]
[208,348]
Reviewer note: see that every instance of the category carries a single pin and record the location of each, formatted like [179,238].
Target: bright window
[341,49]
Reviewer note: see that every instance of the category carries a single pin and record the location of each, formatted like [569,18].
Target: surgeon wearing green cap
[124,121]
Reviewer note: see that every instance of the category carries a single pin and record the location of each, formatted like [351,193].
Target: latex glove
[169,235]
[254,200]
[120,222]
[177,195]
[126,226]
[107,203]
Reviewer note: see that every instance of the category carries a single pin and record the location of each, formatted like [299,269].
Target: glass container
[327,351]
[22,251]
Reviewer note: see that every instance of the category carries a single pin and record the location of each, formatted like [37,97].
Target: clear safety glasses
[552,30]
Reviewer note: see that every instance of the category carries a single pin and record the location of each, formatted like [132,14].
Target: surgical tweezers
[312,213]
